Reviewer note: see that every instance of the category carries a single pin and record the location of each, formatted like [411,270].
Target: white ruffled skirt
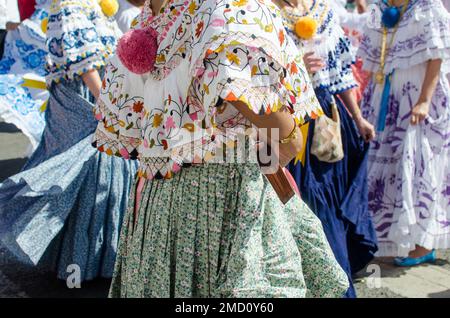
[409,166]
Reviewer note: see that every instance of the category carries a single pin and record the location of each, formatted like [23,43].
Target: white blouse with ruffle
[210,53]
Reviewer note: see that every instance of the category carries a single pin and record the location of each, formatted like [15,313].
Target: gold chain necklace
[379,76]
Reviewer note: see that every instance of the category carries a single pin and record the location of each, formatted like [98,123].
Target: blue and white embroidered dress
[336,192]
[67,204]
[24,58]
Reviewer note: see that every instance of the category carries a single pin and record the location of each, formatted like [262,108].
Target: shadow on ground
[386,266]
[10,167]
[443,294]
[8,128]
[388,269]
[19,280]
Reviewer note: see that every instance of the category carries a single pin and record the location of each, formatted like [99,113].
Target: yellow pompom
[109,7]
[306,28]
[44,24]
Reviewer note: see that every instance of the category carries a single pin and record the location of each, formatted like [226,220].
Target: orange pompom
[306,28]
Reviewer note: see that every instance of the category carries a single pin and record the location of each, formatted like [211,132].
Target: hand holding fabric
[313,63]
[419,112]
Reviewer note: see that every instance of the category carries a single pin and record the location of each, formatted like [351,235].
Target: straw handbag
[327,140]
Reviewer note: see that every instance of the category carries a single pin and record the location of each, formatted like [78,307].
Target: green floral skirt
[219,230]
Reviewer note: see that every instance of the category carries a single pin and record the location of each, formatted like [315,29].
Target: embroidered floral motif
[210,54]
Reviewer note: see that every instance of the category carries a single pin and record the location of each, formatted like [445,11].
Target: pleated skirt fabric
[219,230]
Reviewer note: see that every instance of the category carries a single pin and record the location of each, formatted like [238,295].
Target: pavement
[381,279]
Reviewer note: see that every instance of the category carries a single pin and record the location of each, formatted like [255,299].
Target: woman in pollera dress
[336,190]
[197,226]
[63,211]
[407,49]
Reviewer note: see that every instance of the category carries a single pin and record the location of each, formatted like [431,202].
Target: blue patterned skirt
[66,205]
[337,193]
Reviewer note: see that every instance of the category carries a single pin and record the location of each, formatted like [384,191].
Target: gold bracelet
[356,113]
[293,135]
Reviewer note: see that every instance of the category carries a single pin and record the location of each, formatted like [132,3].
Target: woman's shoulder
[425,23]
[189,30]
[238,14]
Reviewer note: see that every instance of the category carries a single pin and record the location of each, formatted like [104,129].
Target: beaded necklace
[305,25]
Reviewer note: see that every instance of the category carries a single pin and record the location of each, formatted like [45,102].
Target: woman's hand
[313,63]
[286,151]
[366,129]
[419,112]
[289,151]
[11,26]
[280,123]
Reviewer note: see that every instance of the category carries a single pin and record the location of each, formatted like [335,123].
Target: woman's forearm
[281,120]
[430,81]
[283,123]
[93,82]
[349,99]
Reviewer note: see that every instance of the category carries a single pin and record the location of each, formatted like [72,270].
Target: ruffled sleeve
[337,75]
[339,56]
[256,63]
[210,57]
[422,35]
[242,69]
[79,38]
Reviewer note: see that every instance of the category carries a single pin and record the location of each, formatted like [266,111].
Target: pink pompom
[137,50]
